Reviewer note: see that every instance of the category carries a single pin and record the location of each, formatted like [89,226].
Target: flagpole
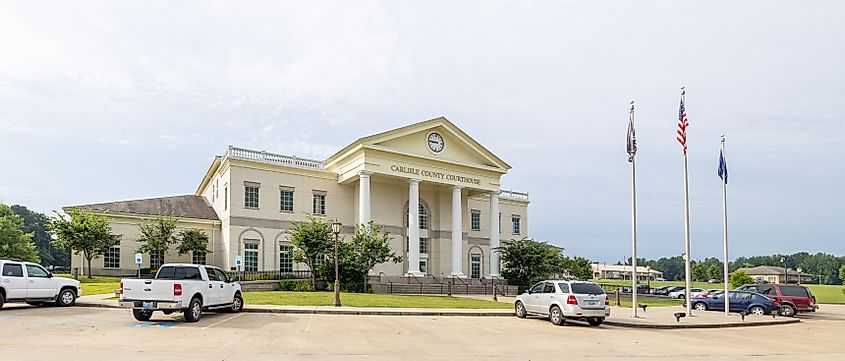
[687,257]
[633,226]
[725,224]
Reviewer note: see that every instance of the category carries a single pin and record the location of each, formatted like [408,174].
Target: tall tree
[526,261]
[157,235]
[36,223]
[83,232]
[193,241]
[14,241]
[311,239]
[578,267]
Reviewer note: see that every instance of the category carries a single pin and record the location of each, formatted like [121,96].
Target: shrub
[303,286]
[740,278]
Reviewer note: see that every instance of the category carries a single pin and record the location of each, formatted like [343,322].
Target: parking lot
[86,333]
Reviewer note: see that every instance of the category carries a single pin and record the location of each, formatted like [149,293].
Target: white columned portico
[457,232]
[414,228]
[364,216]
[494,234]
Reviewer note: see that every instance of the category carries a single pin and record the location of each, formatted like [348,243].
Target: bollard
[76,273]
[618,297]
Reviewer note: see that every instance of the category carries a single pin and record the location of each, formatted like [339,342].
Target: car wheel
[194,311]
[520,310]
[556,316]
[142,315]
[2,299]
[787,311]
[757,311]
[681,296]
[700,306]
[66,298]
[237,304]
[595,321]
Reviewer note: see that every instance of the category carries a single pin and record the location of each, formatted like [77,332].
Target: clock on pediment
[435,142]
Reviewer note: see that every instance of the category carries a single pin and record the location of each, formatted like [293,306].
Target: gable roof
[769,270]
[418,127]
[187,206]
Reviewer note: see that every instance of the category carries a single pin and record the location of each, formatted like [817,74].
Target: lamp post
[648,279]
[785,274]
[336,230]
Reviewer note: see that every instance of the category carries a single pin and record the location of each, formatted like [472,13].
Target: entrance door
[475,266]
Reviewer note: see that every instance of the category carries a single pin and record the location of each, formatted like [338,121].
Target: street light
[785,273]
[336,230]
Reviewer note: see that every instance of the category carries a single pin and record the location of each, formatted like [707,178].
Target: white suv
[559,300]
[29,282]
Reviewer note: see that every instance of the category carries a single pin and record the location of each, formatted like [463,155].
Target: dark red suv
[791,298]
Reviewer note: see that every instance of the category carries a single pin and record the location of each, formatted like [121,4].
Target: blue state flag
[723,167]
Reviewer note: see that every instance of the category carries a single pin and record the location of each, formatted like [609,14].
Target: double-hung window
[515,224]
[111,259]
[319,203]
[285,199]
[475,220]
[251,195]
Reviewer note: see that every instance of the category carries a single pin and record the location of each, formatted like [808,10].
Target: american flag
[683,123]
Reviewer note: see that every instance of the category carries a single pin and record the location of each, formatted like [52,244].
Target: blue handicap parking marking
[153,324]
[9,318]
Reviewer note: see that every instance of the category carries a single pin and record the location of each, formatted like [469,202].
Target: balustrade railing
[293,161]
[513,195]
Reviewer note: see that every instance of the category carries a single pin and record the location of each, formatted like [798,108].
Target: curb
[374,312]
[705,325]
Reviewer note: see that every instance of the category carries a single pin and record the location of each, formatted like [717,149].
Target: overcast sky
[106,101]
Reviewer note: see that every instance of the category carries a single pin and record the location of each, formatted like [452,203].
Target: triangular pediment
[449,143]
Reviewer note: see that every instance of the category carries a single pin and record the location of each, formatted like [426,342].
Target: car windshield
[794,291]
[587,288]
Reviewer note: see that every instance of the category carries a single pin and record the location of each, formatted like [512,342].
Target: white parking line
[221,321]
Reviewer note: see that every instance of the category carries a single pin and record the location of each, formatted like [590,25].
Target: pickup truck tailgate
[148,290]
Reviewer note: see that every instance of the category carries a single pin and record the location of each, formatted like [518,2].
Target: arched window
[423,216]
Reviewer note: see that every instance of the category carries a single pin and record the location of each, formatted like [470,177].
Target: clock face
[435,142]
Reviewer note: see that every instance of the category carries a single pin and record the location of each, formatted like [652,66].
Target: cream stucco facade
[455,182]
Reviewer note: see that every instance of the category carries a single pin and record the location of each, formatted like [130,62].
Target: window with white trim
[424,266]
[251,257]
[285,259]
[515,224]
[475,266]
[286,199]
[111,259]
[156,259]
[251,196]
[423,217]
[319,204]
[475,219]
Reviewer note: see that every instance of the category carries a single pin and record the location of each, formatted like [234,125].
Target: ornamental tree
[371,248]
[311,239]
[526,261]
[192,241]
[14,242]
[740,278]
[83,232]
[157,235]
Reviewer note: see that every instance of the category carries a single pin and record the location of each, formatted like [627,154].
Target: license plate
[149,305]
[591,303]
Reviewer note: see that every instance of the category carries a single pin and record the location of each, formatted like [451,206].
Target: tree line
[827,268]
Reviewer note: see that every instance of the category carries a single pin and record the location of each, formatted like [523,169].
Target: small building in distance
[623,272]
[775,274]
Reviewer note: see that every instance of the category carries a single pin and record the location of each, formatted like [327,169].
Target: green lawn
[98,285]
[285,298]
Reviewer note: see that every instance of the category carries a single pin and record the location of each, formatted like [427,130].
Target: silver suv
[560,300]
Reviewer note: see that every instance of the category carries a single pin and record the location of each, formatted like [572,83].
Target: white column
[364,197]
[414,228]
[494,234]
[457,233]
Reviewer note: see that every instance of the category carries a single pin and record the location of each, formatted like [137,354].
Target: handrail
[416,279]
[462,281]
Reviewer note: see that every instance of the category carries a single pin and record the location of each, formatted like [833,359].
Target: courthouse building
[430,185]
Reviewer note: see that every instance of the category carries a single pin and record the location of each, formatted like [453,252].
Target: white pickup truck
[186,288]
[29,282]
